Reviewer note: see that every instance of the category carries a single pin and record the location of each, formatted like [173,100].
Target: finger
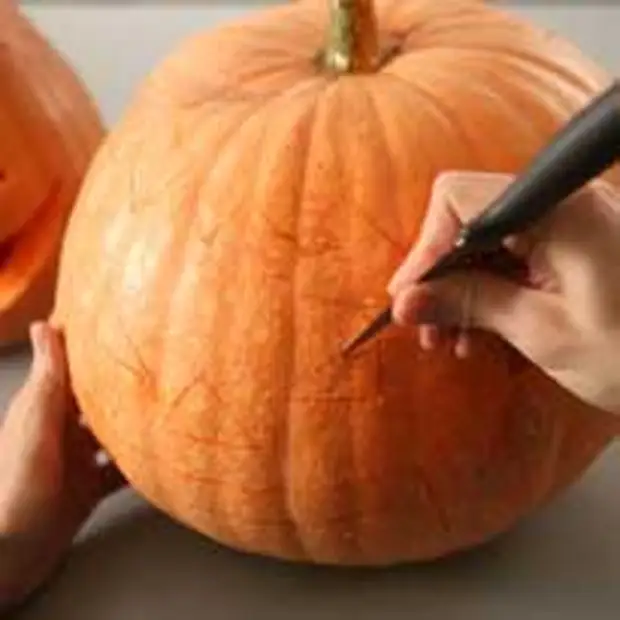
[607,191]
[456,197]
[512,311]
[48,353]
[470,193]
[582,245]
[428,337]
[522,245]
[585,218]
[43,398]
[566,223]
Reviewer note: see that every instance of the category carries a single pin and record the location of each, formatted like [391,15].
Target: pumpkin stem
[352,39]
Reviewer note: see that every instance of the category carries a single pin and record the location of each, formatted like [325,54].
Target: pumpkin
[242,220]
[49,130]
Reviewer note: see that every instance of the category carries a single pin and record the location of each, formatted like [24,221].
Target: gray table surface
[133,563]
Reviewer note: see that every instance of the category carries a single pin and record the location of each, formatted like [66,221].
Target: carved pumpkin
[243,220]
[49,129]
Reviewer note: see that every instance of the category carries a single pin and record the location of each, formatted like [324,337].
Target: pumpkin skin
[241,222]
[49,130]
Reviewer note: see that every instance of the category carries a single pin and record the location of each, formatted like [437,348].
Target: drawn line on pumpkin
[198,381]
[147,373]
[319,247]
[170,407]
[338,374]
[230,217]
[338,302]
[279,232]
[137,373]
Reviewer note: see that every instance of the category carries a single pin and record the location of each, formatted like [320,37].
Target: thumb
[43,399]
[480,299]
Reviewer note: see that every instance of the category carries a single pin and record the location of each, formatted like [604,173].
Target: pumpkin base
[255,540]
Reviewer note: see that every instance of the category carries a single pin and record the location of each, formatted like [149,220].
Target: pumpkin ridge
[349,522]
[227,142]
[362,544]
[391,237]
[177,252]
[109,282]
[441,111]
[337,518]
[477,87]
[226,492]
[423,478]
[286,450]
[528,64]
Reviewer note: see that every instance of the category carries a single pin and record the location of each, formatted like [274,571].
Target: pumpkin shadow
[135,563]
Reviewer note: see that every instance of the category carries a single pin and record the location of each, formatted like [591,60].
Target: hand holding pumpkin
[566,318]
[51,480]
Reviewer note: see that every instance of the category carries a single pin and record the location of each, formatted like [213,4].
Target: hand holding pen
[555,220]
[585,148]
[565,318]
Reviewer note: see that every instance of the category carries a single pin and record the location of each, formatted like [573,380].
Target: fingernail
[462,346]
[36,337]
[427,337]
[413,306]
[394,283]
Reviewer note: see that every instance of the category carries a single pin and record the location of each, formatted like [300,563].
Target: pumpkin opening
[24,253]
[6,249]
[49,130]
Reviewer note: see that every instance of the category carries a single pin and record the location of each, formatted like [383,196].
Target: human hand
[565,318]
[50,478]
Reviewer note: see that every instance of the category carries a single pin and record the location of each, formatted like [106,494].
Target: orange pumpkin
[243,220]
[49,130]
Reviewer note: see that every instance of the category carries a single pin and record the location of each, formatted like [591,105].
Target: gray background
[144,31]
